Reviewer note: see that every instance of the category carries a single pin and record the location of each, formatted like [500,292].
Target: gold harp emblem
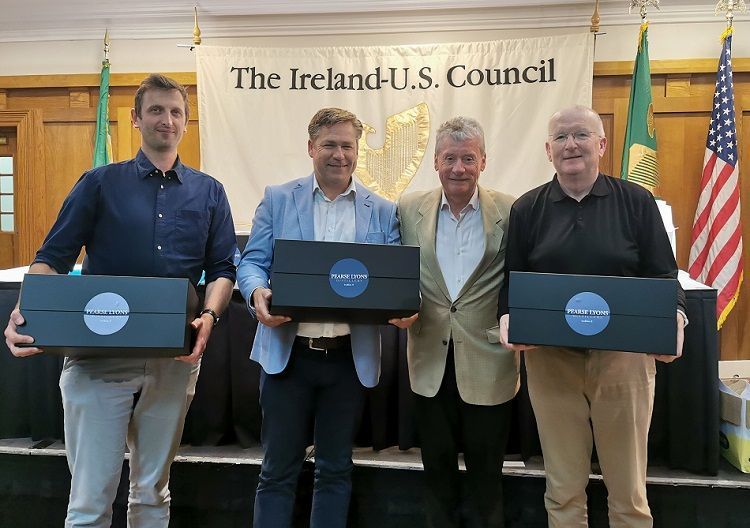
[650,121]
[388,170]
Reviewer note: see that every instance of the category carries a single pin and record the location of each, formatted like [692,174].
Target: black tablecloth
[684,430]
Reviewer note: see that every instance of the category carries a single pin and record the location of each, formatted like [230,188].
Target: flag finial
[642,6]
[595,18]
[728,7]
[196,29]
[106,46]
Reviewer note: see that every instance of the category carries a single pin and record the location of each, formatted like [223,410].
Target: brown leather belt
[324,343]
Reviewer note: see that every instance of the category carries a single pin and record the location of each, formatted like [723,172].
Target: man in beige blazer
[462,378]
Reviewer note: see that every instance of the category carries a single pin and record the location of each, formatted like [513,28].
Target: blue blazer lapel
[362,212]
[303,201]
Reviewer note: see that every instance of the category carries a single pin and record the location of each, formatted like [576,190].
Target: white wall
[666,41]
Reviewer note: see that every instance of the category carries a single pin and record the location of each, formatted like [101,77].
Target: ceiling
[34,20]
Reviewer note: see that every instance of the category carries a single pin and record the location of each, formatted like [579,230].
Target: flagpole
[103,140]
[639,161]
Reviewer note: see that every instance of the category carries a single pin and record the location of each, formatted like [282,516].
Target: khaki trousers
[586,396]
[113,403]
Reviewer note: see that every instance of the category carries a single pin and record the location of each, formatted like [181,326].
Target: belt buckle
[311,347]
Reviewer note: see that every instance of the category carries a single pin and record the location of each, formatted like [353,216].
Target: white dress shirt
[335,222]
[459,243]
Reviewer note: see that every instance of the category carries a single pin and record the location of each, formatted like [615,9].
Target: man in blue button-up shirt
[149,216]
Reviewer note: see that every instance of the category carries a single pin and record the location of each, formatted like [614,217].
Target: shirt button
[453,309]
[158,247]
[161,186]
[160,215]
[445,341]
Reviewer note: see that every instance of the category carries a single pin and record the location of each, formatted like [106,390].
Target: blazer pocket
[493,334]
[375,238]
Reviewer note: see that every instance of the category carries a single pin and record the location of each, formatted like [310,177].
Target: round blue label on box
[587,313]
[349,278]
[106,313]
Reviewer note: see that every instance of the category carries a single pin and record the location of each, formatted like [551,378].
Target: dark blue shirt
[135,220]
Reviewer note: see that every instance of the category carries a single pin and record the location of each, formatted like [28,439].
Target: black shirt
[615,230]
[135,220]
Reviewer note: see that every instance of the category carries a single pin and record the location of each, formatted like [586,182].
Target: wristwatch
[211,313]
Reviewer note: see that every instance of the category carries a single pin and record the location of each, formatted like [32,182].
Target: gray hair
[460,128]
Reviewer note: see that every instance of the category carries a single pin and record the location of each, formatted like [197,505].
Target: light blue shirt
[334,222]
[459,243]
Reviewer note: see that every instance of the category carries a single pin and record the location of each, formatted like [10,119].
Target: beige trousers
[102,418]
[582,397]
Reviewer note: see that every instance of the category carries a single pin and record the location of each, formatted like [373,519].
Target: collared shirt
[135,220]
[615,230]
[459,243]
[334,221]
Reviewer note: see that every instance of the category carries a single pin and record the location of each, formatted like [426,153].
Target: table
[684,431]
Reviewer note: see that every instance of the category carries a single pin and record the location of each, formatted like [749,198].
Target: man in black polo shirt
[149,216]
[584,222]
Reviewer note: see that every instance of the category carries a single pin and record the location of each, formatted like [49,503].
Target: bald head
[580,114]
[575,145]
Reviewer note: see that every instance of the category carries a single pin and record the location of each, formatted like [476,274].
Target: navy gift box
[632,314]
[344,282]
[104,316]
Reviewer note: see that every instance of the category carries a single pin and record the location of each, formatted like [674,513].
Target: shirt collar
[316,189]
[146,168]
[473,202]
[600,188]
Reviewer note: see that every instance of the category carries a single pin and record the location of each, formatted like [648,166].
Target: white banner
[255,105]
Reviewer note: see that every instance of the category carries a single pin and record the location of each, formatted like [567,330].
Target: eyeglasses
[580,136]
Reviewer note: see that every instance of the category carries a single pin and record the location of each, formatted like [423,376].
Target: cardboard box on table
[592,311]
[734,387]
[105,316]
[347,282]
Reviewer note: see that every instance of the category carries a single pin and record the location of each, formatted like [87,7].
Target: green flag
[103,145]
[639,153]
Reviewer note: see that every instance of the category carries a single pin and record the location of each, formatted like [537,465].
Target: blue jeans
[319,388]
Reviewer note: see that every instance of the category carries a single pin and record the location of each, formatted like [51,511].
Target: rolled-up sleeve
[222,241]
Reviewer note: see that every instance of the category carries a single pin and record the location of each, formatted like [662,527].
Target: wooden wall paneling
[79,98]
[735,334]
[88,79]
[189,149]
[606,163]
[617,140]
[31,214]
[741,312]
[43,98]
[123,149]
[69,154]
[3,99]
[678,85]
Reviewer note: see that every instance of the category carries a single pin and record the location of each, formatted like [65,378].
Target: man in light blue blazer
[313,373]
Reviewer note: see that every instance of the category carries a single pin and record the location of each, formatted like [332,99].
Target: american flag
[716,241]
